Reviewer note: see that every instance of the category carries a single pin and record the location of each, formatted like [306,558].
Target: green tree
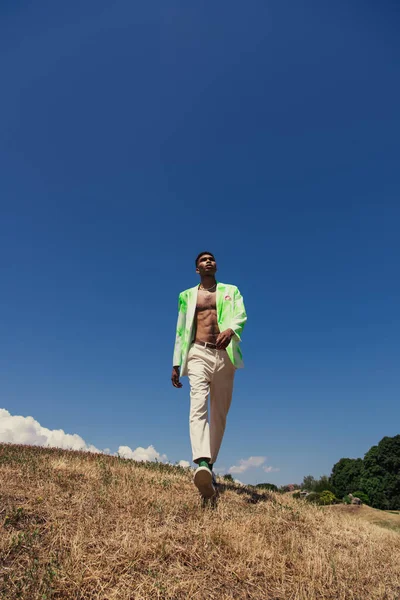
[323,484]
[317,485]
[345,476]
[267,486]
[228,477]
[308,483]
[380,478]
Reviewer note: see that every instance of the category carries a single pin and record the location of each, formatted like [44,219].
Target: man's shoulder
[227,286]
[188,292]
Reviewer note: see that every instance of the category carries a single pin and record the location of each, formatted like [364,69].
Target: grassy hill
[384,518]
[84,526]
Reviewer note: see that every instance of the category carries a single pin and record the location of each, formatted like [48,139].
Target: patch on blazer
[227,297]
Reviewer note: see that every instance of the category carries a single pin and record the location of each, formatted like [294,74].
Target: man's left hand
[224,338]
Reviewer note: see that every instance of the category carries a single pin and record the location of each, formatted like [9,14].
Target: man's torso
[206,322]
[223,315]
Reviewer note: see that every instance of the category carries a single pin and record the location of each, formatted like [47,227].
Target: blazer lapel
[191,309]
[219,302]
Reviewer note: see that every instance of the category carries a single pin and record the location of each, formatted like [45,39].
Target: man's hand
[224,339]
[175,377]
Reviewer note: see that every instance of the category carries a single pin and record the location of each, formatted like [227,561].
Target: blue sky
[133,136]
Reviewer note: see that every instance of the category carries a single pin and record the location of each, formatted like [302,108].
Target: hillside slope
[384,518]
[84,526]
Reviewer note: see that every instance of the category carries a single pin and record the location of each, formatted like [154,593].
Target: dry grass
[383,518]
[79,526]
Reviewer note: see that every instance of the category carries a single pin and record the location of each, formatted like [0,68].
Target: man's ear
[197,270]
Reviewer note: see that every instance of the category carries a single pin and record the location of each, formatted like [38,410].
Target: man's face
[206,265]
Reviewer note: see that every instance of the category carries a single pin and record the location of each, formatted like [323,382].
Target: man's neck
[208,281]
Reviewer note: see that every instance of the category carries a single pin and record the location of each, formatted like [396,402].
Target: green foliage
[347,499]
[346,475]
[296,495]
[228,477]
[267,486]
[323,484]
[376,477]
[308,483]
[313,497]
[380,478]
[363,497]
[327,497]
[322,498]
[317,485]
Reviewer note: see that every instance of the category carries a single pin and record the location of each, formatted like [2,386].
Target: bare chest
[206,300]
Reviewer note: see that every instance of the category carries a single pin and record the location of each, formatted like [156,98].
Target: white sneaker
[203,482]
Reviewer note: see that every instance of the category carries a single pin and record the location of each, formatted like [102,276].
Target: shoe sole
[203,482]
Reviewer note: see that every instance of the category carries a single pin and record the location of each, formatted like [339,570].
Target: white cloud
[219,470]
[15,429]
[270,469]
[25,430]
[141,454]
[244,464]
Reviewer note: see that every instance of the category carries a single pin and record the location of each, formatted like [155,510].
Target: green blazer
[231,314]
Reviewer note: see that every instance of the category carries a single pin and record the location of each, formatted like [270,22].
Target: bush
[267,486]
[363,497]
[327,497]
[313,497]
[347,499]
[296,495]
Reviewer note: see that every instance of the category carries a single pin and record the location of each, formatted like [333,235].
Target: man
[210,322]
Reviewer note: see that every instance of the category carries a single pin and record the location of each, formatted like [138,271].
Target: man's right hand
[175,377]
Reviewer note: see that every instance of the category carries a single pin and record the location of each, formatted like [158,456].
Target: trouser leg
[200,370]
[221,389]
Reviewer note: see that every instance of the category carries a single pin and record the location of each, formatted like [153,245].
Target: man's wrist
[176,367]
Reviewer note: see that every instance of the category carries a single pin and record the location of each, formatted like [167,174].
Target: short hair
[202,254]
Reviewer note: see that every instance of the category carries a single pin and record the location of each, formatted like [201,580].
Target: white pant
[210,372]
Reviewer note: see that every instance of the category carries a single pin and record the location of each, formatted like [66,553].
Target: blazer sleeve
[180,330]
[239,314]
